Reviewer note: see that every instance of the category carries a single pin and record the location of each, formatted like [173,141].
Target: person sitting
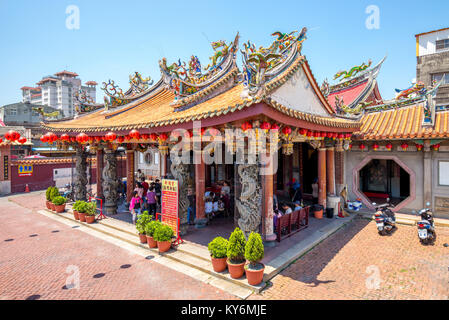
[215,203]
[297,206]
[286,209]
[208,208]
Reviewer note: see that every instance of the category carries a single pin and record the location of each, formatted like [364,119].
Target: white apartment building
[57,91]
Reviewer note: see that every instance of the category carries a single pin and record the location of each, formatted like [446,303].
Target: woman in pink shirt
[135,206]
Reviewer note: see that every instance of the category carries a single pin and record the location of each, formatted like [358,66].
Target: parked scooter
[67,192]
[426,227]
[385,218]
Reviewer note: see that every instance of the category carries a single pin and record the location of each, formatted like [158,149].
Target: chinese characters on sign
[170,204]
[5,168]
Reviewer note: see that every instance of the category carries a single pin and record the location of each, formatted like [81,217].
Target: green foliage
[236,246]
[151,227]
[76,205]
[81,207]
[58,201]
[142,221]
[163,233]
[91,208]
[218,247]
[53,193]
[47,193]
[254,250]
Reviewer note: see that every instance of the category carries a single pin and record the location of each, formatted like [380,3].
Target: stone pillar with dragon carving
[80,182]
[249,201]
[180,172]
[110,183]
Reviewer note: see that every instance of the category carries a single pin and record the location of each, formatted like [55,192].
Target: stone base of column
[270,240]
[183,229]
[110,210]
[200,223]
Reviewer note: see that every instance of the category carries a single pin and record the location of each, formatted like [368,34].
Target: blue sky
[116,38]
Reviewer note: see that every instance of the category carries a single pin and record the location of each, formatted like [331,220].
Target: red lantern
[82,138]
[98,139]
[302,131]
[110,136]
[348,136]
[316,134]
[246,126]
[436,147]
[309,134]
[350,146]
[128,137]
[153,136]
[163,137]
[121,139]
[265,126]
[22,140]
[341,136]
[419,147]
[362,147]
[389,146]
[50,137]
[1,140]
[145,136]
[65,137]
[12,135]
[404,146]
[43,138]
[286,130]
[274,127]
[134,134]
[375,146]
[214,132]
[72,139]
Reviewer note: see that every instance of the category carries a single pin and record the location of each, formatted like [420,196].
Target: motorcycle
[385,218]
[426,227]
[67,192]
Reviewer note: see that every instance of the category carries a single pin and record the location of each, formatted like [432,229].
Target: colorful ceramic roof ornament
[353,71]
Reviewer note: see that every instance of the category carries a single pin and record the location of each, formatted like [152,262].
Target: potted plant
[254,252]
[59,203]
[149,231]
[53,194]
[75,209]
[91,210]
[162,235]
[141,222]
[48,197]
[217,249]
[236,254]
[82,208]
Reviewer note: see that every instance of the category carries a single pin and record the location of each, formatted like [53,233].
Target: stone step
[187,254]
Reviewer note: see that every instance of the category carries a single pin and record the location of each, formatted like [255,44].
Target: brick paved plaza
[345,265]
[36,251]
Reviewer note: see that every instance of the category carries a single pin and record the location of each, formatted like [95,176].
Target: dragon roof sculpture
[189,83]
[263,64]
[138,87]
[84,103]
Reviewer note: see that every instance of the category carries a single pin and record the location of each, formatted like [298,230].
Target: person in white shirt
[208,207]
[287,209]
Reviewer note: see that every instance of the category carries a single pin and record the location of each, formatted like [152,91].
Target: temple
[260,126]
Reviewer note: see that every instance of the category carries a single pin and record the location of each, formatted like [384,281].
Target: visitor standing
[135,206]
[152,201]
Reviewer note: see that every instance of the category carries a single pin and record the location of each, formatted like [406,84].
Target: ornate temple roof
[276,82]
[411,115]
[357,85]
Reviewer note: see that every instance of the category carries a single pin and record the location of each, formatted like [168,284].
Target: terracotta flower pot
[52,206]
[90,219]
[236,270]
[48,204]
[60,209]
[75,215]
[219,264]
[254,277]
[82,216]
[163,246]
[151,242]
[319,214]
[143,238]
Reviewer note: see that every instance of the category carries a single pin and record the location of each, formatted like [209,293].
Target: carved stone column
[249,201]
[110,182]
[330,166]
[339,167]
[80,182]
[200,190]
[427,174]
[99,172]
[181,173]
[267,179]
[129,174]
[322,176]
[163,165]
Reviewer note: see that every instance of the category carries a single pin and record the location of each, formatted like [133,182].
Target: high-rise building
[57,91]
[432,51]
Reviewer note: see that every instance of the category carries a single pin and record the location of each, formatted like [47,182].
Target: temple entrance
[381,179]
[309,168]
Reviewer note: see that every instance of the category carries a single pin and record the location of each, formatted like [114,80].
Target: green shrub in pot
[48,193]
[254,250]
[81,207]
[91,208]
[59,201]
[236,247]
[151,227]
[142,221]
[163,233]
[54,192]
[218,248]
